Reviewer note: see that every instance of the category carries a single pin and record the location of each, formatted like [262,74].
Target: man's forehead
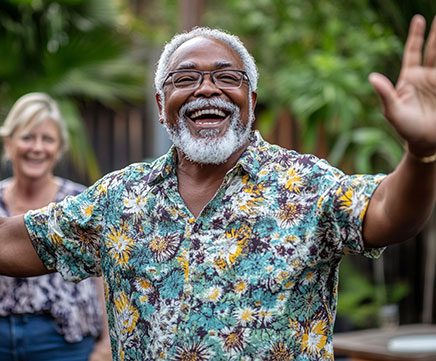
[215,51]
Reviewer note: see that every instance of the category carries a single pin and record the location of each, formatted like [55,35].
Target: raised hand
[410,105]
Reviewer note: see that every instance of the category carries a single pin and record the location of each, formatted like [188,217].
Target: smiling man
[208,120]
[228,247]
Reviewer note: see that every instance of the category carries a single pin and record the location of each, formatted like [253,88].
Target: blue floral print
[253,277]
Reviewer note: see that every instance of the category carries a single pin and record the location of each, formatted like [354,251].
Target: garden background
[97,58]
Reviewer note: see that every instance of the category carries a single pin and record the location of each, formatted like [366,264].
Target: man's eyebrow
[221,64]
[186,65]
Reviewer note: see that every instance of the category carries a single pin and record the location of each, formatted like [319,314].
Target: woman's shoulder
[4,182]
[68,188]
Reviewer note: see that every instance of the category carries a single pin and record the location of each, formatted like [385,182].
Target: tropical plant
[314,59]
[397,14]
[360,299]
[71,49]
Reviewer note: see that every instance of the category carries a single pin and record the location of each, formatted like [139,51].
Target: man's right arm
[18,258]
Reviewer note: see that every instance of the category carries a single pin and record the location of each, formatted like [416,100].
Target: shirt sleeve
[343,205]
[66,235]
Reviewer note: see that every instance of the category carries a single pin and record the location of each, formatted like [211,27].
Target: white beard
[210,148]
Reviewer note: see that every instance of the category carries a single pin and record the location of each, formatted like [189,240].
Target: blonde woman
[44,318]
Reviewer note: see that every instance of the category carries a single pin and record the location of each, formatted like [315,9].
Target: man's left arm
[404,201]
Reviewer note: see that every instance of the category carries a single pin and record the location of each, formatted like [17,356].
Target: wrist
[425,157]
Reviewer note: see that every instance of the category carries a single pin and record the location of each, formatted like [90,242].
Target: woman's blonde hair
[32,109]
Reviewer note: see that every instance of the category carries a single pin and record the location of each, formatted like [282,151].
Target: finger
[430,48]
[385,91]
[413,48]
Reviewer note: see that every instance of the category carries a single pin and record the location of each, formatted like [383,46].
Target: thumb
[385,90]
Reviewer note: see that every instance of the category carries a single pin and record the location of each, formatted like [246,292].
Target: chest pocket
[245,255]
[267,260]
[153,267]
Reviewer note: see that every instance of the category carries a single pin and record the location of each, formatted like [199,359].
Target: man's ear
[159,106]
[253,99]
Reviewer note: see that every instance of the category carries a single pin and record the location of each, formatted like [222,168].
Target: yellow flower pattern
[127,315]
[119,245]
[251,278]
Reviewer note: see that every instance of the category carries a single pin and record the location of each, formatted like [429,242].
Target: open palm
[410,106]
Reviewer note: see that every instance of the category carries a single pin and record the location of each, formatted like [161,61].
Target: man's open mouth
[208,116]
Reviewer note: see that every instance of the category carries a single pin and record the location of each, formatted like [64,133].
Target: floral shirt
[74,307]
[253,277]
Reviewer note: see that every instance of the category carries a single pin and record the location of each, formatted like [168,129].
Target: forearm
[402,204]
[404,201]
[102,300]
[18,258]
[102,348]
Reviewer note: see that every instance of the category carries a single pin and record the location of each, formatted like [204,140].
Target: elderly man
[227,247]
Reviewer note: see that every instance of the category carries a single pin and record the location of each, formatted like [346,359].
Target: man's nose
[207,87]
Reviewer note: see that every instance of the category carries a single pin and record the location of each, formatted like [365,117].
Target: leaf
[69,49]
[79,143]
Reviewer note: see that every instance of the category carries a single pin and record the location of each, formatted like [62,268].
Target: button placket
[187,286]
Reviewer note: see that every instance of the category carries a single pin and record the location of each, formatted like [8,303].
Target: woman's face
[34,149]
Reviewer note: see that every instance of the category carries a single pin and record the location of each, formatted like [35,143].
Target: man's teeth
[203,112]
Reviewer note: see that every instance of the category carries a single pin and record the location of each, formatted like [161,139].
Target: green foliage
[314,59]
[360,299]
[70,49]
[397,14]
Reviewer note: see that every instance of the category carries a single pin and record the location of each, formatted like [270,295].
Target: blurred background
[97,58]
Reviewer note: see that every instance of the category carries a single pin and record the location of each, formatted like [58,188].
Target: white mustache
[202,103]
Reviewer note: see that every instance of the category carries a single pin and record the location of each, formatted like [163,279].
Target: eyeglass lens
[222,78]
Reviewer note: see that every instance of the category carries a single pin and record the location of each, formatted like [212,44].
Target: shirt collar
[251,157]
[164,166]
[249,160]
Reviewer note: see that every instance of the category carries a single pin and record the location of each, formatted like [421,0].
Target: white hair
[231,40]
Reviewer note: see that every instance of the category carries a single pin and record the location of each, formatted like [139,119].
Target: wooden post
[192,11]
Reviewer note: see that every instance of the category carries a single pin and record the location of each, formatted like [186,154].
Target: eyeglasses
[192,79]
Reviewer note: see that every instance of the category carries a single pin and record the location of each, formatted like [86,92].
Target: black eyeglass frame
[212,76]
